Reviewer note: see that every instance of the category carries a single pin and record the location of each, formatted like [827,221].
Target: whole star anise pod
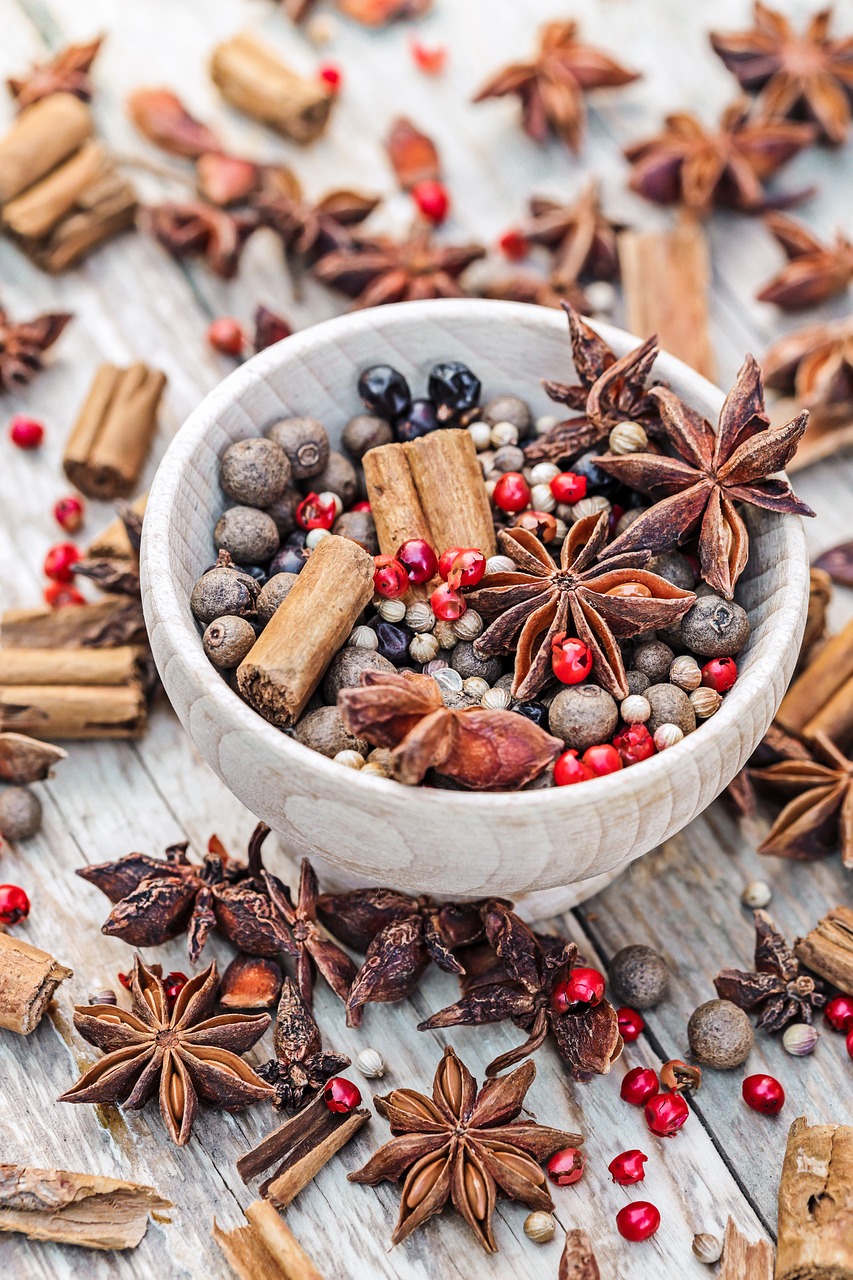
[814,271]
[591,594]
[797,75]
[463,1145]
[23,344]
[300,1068]
[183,1054]
[697,488]
[194,229]
[383,270]
[609,391]
[815,365]
[586,1036]
[777,987]
[819,816]
[690,164]
[582,238]
[552,84]
[313,230]
[66,72]
[525,286]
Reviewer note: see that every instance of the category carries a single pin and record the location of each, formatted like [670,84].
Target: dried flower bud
[707,1249]
[705,702]
[541,498]
[496,699]
[540,1227]
[800,1039]
[391,610]
[423,648]
[371,1064]
[593,506]
[635,709]
[680,1077]
[469,626]
[667,735]
[476,687]
[351,759]
[628,437]
[756,894]
[420,617]
[686,673]
[363,638]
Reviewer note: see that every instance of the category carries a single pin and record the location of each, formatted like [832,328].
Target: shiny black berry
[535,711]
[597,480]
[394,642]
[385,391]
[297,539]
[453,388]
[419,421]
[254,571]
[289,560]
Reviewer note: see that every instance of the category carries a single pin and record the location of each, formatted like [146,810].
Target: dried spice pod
[250,982]
[300,1067]
[265,1247]
[252,79]
[378,270]
[818,818]
[160,115]
[413,154]
[777,987]
[312,230]
[195,229]
[23,344]
[828,948]
[66,72]
[115,427]
[814,271]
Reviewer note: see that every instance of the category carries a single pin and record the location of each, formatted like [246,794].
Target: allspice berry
[638,682]
[254,472]
[673,567]
[653,658]
[715,628]
[464,660]
[274,590]
[359,527]
[508,409]
[720,1034]
[248,535]
[638,976]
[227,640]
[323,730]
[223,589]
[346,667]
[582,715]
[365,431]
[20,814]
[305,442]
[337,476]
[283,510]
[670,705]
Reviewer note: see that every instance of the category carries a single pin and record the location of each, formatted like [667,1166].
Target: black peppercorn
[289,560]
[535,711]
[385,391]
[453,388]
[597,480]
[715,628]
[465,661]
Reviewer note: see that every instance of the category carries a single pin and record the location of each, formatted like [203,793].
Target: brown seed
[177,1096]
[424,1180]
[451,1085]
[523,1165]
[475,1190]
[250,982]
[403,1100]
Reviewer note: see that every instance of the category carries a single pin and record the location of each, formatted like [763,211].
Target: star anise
[524,286]
[399,935]
[163,119]
[697,488]
[700,167]
[520,987]
[610,391]
[819,817]
[269,328]
[815,365]
[582,237]
[198,229]
[797,75]
[383,270]
[463,1145]
[22,346]
[814,271]
[777,988]
[300,1067]
[552,84]
[66,72]
[185,1054]
[313,230]
[592,594]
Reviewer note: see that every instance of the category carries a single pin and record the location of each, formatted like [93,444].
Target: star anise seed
[815,365]
[777,987]
[814,271]
[66,72]
[300,1068]
[23,344]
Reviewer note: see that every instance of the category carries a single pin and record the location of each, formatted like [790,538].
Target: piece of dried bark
[266,1249]
[816,1203]
[823,680]
[28,979]
[82,1209]
[24,759]
[252,78]
[578,1261]
[301,1147]
[102,625]
[413,154]
[160,115]
[828,948]
[745,1259]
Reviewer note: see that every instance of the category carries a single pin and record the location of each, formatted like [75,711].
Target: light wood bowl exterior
[420,839]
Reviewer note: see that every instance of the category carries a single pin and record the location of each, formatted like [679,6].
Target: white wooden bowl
[420,839]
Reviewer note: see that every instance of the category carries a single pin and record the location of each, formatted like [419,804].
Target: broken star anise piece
[66,72]
[185,1054]
[697,489]
[521,987]
[163,119]
[552,84]
[815,365]
[413,154]
[592,594]
[702,167]
[463,1145]
[796,74]
[582,238]
[383,270]
[300,1068]
[814,271]
[819,817]
[23,344]
[777,987]
[314,230]
[194,229]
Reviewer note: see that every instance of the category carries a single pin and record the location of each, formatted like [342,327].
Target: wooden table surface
[132,301]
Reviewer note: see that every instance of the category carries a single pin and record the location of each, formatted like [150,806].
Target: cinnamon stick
[831,669]
[290,657]
[308,1127]
[816,1203]
[101,625]
[113,542]
[74,711]
[70,666]
[303,1166]
[835,717]
[24,760]
[265,1248]
[820,595]
[41,137]
[76,1208]
[28,979]
[394,501]
[828,948]
[254,80]
[112,435]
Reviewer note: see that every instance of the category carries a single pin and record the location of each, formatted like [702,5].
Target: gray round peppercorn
[223,589]
[283,510]
[274,590]
[254,472]
[248,535]
[583,715]
[639,976]
[365,431]
[673,567]
[346,667]
[715,628]
[638,682]
[508,458]
[227,640]
[305,442]
[720,1034]
[323,730]
[20,814]
[338,476]
[509,409]
[670,705]
[653,658]
[359,527]
[464,660]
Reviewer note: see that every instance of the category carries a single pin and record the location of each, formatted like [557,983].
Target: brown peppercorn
[359,527]
[465,661]
[338,476]
[720,1034]
[583,715]
[248,535]
[323,730]
[653,658]
[227,640]
[283,511]
[274,590]
[365,431]
[637,681]
[715,628]
[638,976]
[224,589]
[20,814]
[673,567]
[509,409]
[670,705]
[254,472]
[346,667]
[305,442]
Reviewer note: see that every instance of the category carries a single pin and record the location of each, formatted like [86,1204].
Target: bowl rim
[165,608]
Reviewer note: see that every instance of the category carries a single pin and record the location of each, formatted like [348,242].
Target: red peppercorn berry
[638,1085]
[332,76]
[719,674]
[418,559]
[571,659]
[627,1168]
[602,759]
[312,513]
[665,1113]
[631,1024]
[613,517]
[226,336]
[568,487]
[638,1221]
[360,506]
[25,432]
[512,492]
[341,1095]
[763,1093]
[566,1166]
[568,769]
[390,579]
[446,559]
[59,595]
[839,1013]
[14,904]
[467,569]
[583,986]
[514,245]
[447,604]
[125,980]
[634,743]
[431,61]
[849,1043]
[432,200]
[68,513]
[60,561]
[174,984]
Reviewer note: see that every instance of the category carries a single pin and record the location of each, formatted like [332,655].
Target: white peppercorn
[583,715]
[756,894]
[370,1063]
[541,498]
[508,409]
[315,536]
[476,687]
[627,437]
[707,1248]
[667,735]
[274,590]
[499,564]
[486,460]
[391,610]
[670,705]
[503,433]
[508,458]
[20,813]
[363,638]
[496,699]
[469,626]
[545,423]
[365,431]
[561,531]
[448,680]
[444,634]
[305,442]
[705,702]
[595,505]
[481,434]
[685,672]
[248,535]
[351,759]
[715,628]
[720,1034]
[639,976]
[423,647]
[254,472]
[419,616]
[800,1039]
[635,709]
[227,640]
[543,472]
[540,1226]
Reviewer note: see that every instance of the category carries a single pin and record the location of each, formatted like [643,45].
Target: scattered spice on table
[300,1067]
[814,271]
[66,72]
[377,270]
[23,344]
[777,988]
[819,817]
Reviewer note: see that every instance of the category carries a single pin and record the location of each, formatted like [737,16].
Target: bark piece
[828,948]
[816,1203]
[303,1166]
[110,440]
[73,711]
[28,979]
[76,1208]
[666,276]
[42,137]
[113,542]
[820,596]
[290,657]
[744,1259]
[24,760]
[823,679]
[265,1248]
[252,79]
[578,1261]
[70,666]
[101,625]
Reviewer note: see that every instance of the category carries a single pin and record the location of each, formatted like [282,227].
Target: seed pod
[756,894]
[686,673]
[448,680]
[708,1249]
[667,735]
[627,437]
[469,626]
[250,982]
[705,702]
[371,1064]
[496,699]
[540,1227]
[800,1039]
[107,996]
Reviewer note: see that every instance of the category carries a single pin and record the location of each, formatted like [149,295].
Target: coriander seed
[351,759]
[391,610]
[707,1248]
[423,647]
[627,437]
[686,673]
[635,709]
[227,640]
[543,473]
[705,702]
[756,894]
[495,699]
[800,1039]
[363,638]
[593,506]
[475,687]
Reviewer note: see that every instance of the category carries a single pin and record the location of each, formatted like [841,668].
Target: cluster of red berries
[839,1015]
[416,562]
